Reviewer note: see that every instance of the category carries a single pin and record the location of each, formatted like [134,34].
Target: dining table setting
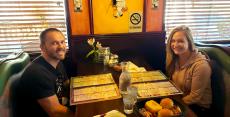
[96,93]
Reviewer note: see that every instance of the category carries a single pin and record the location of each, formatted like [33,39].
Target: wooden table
[101,107]
[91,109]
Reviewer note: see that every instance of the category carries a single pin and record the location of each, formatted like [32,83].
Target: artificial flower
[98,45]
[91,41]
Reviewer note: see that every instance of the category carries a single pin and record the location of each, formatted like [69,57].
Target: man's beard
[55,55]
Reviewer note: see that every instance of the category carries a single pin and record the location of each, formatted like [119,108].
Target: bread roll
[165,113]
[167,103]
[152,106]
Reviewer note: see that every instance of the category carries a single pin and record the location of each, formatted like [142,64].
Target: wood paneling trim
[154,16]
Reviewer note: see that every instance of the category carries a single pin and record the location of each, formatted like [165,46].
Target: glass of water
[128,103]
[132,91]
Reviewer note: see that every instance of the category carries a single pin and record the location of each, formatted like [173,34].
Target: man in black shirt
[41,90]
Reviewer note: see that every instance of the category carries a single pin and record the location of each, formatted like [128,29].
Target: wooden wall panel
[154,16]
[106,23]
[79,21]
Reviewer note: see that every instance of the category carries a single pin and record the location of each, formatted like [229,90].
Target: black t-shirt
[39,80]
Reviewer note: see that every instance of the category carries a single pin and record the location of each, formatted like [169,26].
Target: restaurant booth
[134,32]
[132,29]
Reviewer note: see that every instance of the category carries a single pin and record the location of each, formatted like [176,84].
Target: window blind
[21,22]
[208,19]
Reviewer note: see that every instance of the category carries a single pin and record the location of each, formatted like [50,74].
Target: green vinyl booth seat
[220,80]
[12,66]
[221,57]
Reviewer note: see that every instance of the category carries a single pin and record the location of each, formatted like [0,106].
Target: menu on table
[157,89]
[147,76]
[81,81]
[153,84]
[92,88]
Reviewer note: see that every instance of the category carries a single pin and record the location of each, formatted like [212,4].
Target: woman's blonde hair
[170,56]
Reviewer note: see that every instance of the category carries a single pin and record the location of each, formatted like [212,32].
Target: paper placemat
[147,76]
[157,89]
[92,80]
[95,93]
[93,88]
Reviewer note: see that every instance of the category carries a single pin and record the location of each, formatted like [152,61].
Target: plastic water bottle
[124,79]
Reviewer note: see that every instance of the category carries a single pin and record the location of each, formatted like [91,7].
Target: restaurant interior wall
[149,41]
[99,13]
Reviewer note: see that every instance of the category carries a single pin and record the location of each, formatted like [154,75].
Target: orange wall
[154,17]
[79,21]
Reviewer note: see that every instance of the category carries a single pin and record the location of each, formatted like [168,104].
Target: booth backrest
[220,80]
[221,57]
[10,67]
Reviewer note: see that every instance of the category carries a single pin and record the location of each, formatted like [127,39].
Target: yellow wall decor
[103,16]
[79,21]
